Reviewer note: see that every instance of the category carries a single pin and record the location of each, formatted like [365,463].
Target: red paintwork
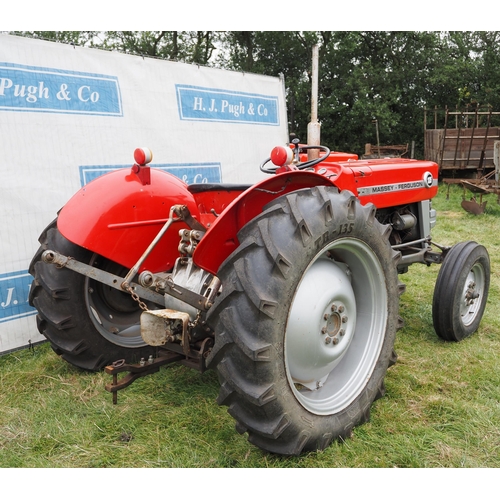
[216,200]
[117,216]
[367,173]
[222,238]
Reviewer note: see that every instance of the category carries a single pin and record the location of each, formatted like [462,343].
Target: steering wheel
[296,153]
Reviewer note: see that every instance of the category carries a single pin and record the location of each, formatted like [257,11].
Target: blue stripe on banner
[190,173]
[205,104]
[30,88]
[14,293]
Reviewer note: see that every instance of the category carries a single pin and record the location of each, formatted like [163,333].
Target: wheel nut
[334,307]
[323,330]
[335,340]
[344,319]
[341,309]
[342,333]
[328,340]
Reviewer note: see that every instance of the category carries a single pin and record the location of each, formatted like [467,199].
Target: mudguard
[222,235]
[118,215]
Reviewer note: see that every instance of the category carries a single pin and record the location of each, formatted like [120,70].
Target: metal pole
[313,128]
[496,160]
[378,138]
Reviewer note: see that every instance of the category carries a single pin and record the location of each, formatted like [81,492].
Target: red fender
[221,239]
[118,215]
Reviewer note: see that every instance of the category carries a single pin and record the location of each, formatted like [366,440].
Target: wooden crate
[461,149]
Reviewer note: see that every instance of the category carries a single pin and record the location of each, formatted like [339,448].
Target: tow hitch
[171,353]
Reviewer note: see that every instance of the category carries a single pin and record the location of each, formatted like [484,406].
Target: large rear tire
[306,320]
[88,324]
[461,291]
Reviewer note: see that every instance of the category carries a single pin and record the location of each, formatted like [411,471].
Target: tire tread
[249,366]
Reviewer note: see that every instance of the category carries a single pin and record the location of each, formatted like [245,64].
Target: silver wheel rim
[472,294]
[336,325]
[113,314]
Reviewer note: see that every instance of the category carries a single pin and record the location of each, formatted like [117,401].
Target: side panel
[396,181]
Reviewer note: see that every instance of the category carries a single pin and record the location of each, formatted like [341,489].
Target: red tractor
[287,288]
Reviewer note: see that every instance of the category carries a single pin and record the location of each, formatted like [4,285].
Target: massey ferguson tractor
[287,288]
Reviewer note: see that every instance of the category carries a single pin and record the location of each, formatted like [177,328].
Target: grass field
[442,407]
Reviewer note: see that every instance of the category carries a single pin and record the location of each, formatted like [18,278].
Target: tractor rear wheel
[461,291]
[306,320]
[88,324]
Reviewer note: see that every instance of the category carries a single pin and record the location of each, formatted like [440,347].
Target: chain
[196,320]
[136,297]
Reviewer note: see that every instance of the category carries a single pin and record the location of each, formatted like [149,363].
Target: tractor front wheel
[461,291]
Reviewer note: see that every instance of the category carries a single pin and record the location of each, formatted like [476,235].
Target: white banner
[69,114]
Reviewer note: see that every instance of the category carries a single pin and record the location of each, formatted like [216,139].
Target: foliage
[186,46]
[376,75]
[387,76]
[84,38]
[189,46]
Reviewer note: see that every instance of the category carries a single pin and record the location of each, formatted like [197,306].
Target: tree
[363,75]
[185,46]
[276,53]
[86,38]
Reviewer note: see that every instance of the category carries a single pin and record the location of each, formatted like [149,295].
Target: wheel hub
[324,303]
[115,314]
[335,324]
[471,295]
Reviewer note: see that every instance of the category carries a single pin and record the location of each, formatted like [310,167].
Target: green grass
[442,407]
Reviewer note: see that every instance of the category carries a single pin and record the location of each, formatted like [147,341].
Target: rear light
[143,156]
[281,156]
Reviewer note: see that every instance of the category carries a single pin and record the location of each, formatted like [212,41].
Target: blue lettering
[14,296]
[38,89]
[226,106]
